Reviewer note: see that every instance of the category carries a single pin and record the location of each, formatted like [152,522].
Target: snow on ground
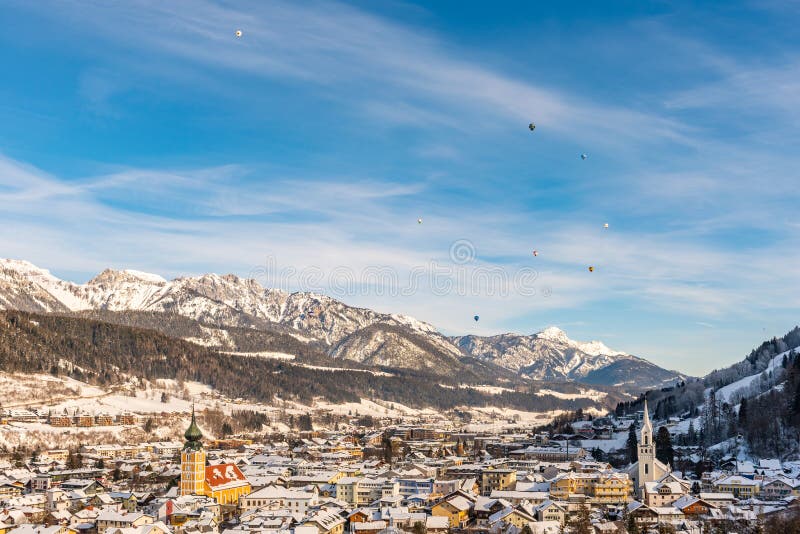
[375,408]
[682,427]
[726,392]
[20,390]
[214,337]
[194,388]
[147,277]
[496,419]
[606,445]
[584,394]
[114,404]
[491,390]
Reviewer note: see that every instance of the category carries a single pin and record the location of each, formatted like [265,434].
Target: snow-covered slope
[227,300]
[550,354]
[342,331]
[743,387]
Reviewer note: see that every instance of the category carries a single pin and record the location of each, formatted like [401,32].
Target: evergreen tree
[632,444]
[691,435]
[632,526]
[743,413]
[387,448]
[304,422]
[580,522]
[664,451]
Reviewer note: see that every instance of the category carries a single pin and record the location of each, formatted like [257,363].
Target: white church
[647,468]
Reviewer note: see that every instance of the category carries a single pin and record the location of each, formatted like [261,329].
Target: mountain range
[226,307]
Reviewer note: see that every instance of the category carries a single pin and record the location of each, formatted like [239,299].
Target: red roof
[224,476]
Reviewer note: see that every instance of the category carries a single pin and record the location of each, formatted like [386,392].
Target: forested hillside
[754,403]
[105,353]
[755,362]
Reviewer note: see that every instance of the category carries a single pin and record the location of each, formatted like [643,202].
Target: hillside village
[573,475]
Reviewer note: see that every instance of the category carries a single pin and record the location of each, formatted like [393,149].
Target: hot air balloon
[535,252]
[238,33]
[531,127]
[419,221]
[584,155]
[605,225]
[591,269]
[476,318]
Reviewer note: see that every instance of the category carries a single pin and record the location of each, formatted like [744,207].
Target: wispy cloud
[696,171]
[347,54]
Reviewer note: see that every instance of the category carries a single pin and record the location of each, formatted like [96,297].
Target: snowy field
[168,404]
[726,392]
[584,394]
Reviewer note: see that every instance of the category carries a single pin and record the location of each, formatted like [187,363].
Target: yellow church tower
[193,461]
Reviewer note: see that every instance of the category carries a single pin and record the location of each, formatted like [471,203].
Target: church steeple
[647,427]
[193,461]
[193,435]
[646,471]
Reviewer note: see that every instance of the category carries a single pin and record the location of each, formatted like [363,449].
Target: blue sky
[145,135]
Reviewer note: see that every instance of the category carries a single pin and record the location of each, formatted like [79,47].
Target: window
[646,468]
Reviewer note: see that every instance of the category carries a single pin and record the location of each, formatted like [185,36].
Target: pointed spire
[647,426]
[193,435]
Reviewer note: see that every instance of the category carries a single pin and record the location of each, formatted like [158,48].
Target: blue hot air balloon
[476,318]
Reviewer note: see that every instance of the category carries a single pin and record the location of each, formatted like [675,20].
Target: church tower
[193,461]
[647,451]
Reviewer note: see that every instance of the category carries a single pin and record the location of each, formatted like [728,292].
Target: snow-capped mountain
[551,355]
[221,302]
[230,301]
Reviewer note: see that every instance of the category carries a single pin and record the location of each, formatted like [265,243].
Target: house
[511,516]
[326,522]
[110,519]
[275,497]
[485,507]
[87,486]
[662,493]
[368,527]
[154,528]
[718,499]
[779,488]
[739,486]
[497,479]
[455,508]
[41,529]
[550,511]
[642,514]
[437,524]
[692,506]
